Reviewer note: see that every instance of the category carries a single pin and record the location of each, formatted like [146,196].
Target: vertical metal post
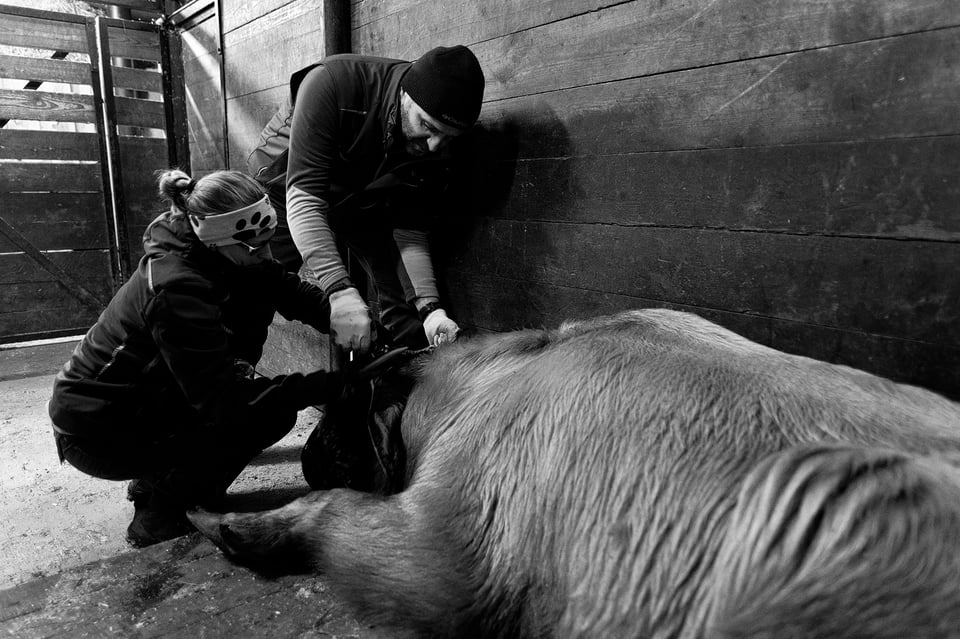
[174,99]
[218,7]
[111,174]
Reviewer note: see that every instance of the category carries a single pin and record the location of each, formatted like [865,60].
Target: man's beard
[413,146]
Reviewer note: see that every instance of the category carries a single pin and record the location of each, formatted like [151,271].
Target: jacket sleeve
[302,301]
[186,326]
[312,153]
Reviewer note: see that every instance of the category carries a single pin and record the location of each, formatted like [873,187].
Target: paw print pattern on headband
[237,226]
[249,230]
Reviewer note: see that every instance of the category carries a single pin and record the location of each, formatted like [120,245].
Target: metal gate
[90,108]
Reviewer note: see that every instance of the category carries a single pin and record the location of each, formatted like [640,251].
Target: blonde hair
[214,193]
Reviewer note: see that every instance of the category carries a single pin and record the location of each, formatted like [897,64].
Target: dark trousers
[182,464]
[370,248]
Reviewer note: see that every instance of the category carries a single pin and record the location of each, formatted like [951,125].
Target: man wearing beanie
[360,159]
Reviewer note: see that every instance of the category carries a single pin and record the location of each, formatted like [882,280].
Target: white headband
[234,227]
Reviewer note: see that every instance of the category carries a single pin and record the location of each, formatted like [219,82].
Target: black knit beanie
[447,83]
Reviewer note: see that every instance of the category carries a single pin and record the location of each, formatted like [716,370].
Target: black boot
[139,491]
[155,519]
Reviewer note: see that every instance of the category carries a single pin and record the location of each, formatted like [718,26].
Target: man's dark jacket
[364,163]
[172,339]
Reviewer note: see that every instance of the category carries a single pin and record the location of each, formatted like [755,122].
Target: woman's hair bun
[175,185]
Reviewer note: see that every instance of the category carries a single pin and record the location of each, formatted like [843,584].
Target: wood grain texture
[883,287]
[137,79]
[52,221]
[45,106]
[482,302]
[891,88]
[32,299]
[44,69]
[70,318]
[23,31]
[263,54]
[137,44]
[532,47]
[899,188]
[137,112]
[142,160]
[48,145]
[237,13]
[50,176]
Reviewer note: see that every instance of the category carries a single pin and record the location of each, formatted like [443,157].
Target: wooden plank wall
[142,143]
[787,169]
[51,190]
[52,202]
[264,42]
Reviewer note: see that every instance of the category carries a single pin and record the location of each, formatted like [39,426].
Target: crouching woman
[161,389]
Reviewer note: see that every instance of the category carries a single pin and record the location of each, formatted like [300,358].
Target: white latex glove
[439,328]
[350,320]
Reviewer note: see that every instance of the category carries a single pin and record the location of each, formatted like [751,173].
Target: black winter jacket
[169,342]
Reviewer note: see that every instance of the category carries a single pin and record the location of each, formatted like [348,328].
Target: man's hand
[350,320]
[439,328]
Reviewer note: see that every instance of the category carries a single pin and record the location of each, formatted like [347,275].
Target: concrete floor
[54,517]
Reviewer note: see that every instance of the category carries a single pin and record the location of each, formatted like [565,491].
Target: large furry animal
[647,474]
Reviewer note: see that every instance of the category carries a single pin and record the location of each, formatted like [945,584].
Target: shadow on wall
[505,160]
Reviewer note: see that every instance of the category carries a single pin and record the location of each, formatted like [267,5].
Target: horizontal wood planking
[900,188]
[885,287]
[44,69]
[36,297]
[52,221]
[478,299]
[634,39]
[30,297]
[894,88]
[22,31]
[57,177]
[48,145]
[71,318]
[541,46]
[238,13]
[406,28]
[45,106]
[137,79]
[138,44]
[146,113]
[264,54]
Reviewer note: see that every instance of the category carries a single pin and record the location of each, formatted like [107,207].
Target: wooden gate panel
[31,297]
[51,177]
[56,221]
[139,158]
[58,255]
